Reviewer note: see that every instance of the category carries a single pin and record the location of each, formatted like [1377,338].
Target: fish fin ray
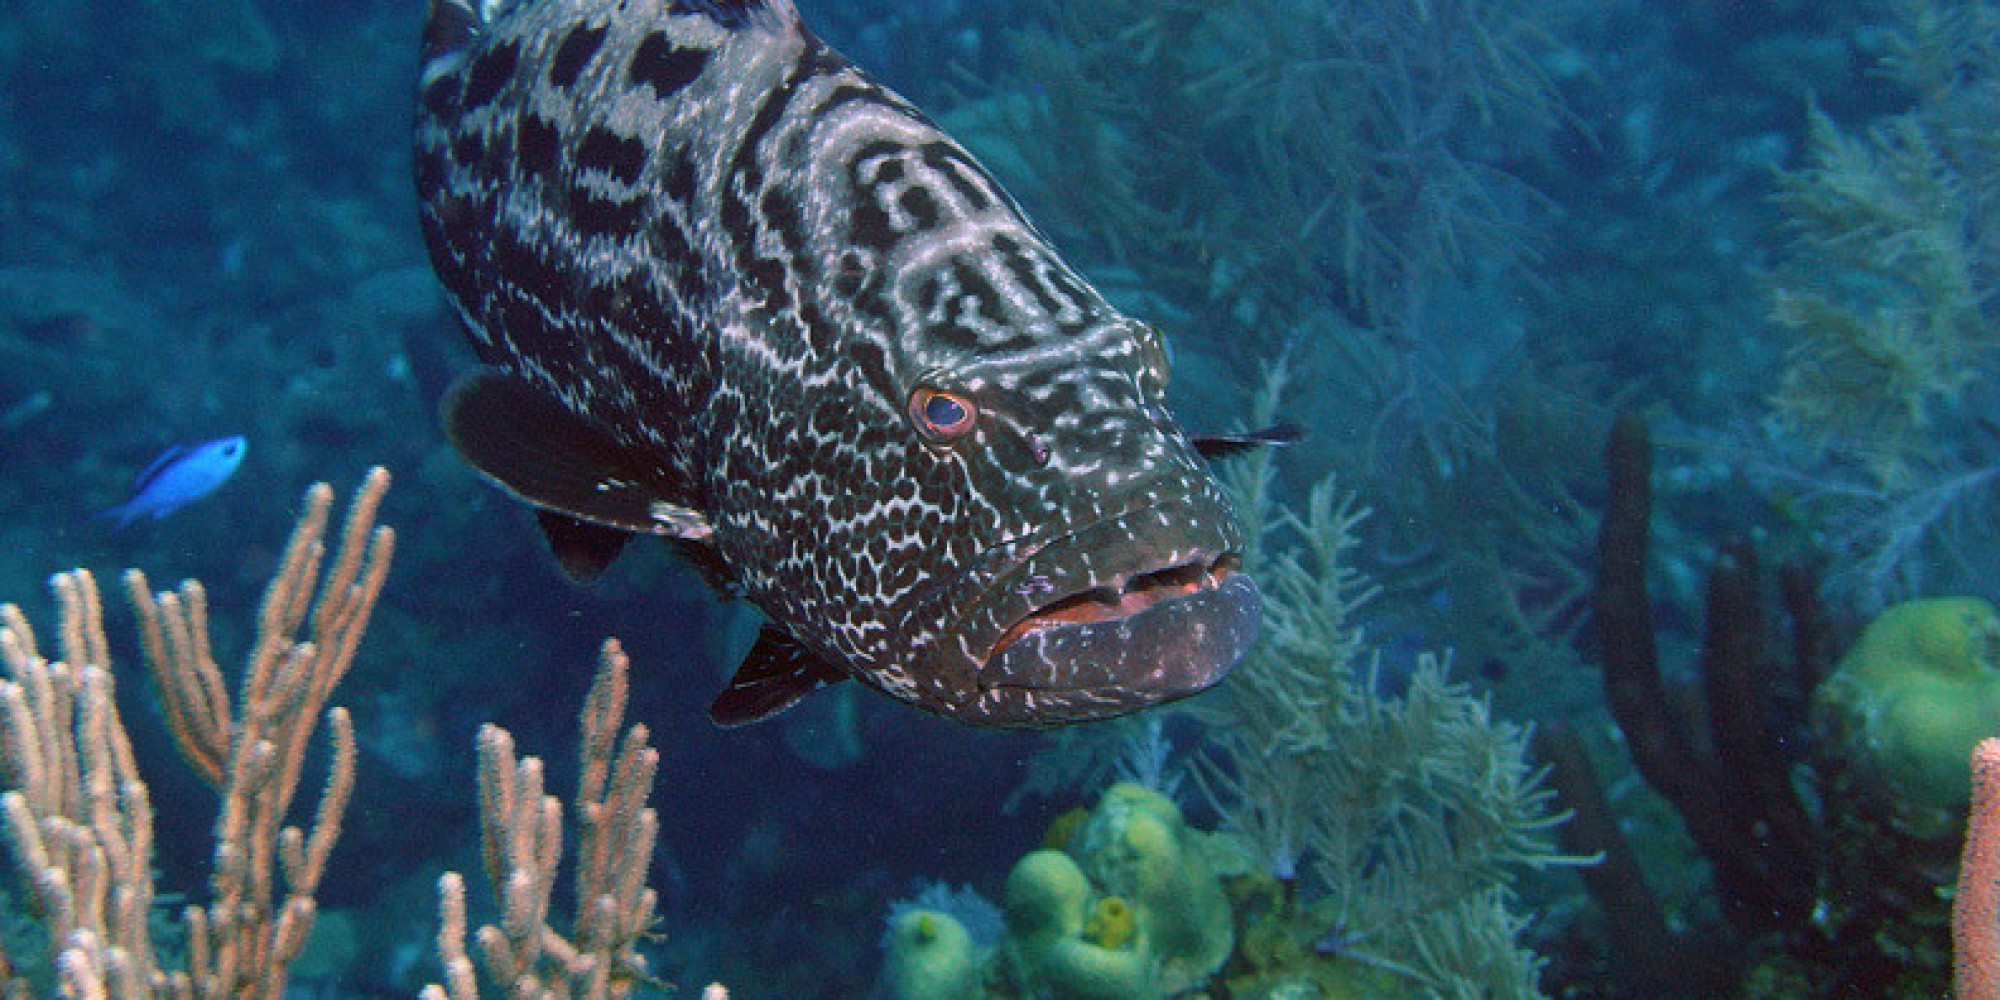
[540,451]
[778,671]
[739,14]
[1214,446]
[452,26]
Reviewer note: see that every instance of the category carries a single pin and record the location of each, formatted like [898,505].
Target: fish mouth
[1132,611]
[1129,597]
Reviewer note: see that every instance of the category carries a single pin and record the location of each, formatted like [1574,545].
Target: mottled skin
[750,271]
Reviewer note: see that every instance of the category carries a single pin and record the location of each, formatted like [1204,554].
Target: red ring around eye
[942,414]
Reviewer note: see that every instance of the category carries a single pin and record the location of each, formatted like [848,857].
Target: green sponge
[1130,910]
[1137,846]
[1049,903]
[930,956]
[1907,703]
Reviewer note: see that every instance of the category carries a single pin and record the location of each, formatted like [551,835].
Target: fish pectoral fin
[583,549]
[539,450]
[1214,446]
[778,672]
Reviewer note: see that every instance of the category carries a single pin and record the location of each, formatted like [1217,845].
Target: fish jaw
[1131,611]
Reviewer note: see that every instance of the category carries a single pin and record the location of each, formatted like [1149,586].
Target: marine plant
[1886,294]
[1826,845]
[78,814]
[1175,133]
[1879,293]
[1272,174]
[1410,812]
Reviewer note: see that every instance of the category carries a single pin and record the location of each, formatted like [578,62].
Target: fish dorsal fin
[778,672]
[739,14]
[540,451]
[1214,446]
[168,457]
[451,27]
[454,26]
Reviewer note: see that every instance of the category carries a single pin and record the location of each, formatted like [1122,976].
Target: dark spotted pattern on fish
[734,292]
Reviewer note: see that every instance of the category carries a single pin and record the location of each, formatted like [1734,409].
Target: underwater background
[1645,356]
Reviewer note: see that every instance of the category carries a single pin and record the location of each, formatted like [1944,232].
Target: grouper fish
[731,291]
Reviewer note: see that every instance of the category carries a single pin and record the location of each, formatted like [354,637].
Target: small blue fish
[180,476]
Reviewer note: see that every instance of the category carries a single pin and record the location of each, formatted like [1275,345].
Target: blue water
[207,227]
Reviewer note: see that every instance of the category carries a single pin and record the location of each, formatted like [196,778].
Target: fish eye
[942,414]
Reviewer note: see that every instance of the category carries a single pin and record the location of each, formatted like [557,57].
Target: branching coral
[79,818]
[521,834]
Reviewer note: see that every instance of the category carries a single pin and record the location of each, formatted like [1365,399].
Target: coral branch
[1975,910]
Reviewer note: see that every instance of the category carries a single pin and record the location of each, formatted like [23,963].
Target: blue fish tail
[122,515]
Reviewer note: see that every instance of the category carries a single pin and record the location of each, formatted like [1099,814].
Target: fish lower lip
[1103,660]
